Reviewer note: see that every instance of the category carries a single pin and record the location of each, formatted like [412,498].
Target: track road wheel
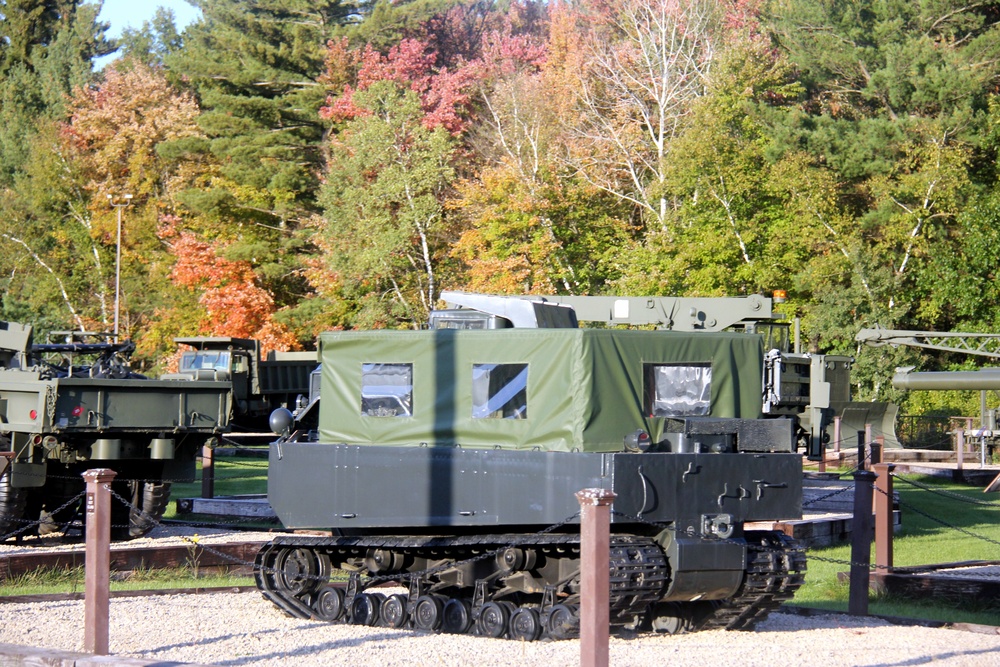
[494,618]
[457,617]
[365,609]
[393,612]
[329,605]
[428,612]
[525,625]
[563,622]
[677,618]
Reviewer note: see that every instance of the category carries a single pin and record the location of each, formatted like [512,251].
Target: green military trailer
[260,383]
[58,420]
[448,461]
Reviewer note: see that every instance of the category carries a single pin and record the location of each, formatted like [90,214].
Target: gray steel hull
[321,486]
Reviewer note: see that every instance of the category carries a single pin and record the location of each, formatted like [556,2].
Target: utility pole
[126,200]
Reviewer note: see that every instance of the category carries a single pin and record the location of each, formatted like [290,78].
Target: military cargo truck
[259,385]
[62,418]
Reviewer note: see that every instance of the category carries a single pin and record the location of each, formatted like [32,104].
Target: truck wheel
[12,505]
[155,497]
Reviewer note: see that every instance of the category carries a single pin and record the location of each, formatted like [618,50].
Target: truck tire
[12,505]
[154,497]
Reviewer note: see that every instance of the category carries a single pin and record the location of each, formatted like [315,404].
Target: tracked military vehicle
[447,461]
[72,405]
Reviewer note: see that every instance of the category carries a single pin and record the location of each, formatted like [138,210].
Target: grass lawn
[972,533]
[234,476]
[71,580]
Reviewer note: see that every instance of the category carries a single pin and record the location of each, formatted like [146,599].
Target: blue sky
[131,13]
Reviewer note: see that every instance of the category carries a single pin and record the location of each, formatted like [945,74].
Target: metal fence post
[861,543]
[97,574]
[595,580]
[207,472]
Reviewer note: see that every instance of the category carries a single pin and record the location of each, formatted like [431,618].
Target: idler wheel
[365,609]
[457,617]
[393,611]
[428,612]
[329,605]
[563,621]
[494,618]
[298,571]
[525,625]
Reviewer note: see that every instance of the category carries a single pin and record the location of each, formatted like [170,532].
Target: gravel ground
[242,629]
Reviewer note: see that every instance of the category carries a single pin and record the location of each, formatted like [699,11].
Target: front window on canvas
[678,390]
[387,390]
[500,391]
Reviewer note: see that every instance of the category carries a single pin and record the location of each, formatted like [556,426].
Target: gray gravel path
[243,630]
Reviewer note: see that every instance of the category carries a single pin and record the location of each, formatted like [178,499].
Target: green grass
[234,476]
[920,541]
[71,580]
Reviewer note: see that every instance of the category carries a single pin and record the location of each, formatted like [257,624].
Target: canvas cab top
[548,389]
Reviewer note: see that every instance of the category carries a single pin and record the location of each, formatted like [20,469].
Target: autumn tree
[383,224]
[644,64]
[63,235]
[254,68]
[529,226]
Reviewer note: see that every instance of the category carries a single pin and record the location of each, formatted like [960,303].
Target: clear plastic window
[678,390]
[387,390]
[500,391]
[205,360]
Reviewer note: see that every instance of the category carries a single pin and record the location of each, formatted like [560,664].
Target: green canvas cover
[585,388]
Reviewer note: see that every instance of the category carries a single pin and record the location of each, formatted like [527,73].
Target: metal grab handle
[762,484]
[645,492]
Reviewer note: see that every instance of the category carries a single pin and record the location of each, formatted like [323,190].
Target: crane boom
[981,344]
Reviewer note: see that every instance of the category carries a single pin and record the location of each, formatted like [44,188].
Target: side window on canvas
[678,390]
[500,391]
[387,390]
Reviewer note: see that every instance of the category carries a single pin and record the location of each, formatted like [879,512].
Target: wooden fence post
[97,564]
[595,579]
[836,436]
[883,518]
[207,472]
[960,446]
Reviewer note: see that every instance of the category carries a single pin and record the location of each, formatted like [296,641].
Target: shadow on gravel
[305,650]
[930,659]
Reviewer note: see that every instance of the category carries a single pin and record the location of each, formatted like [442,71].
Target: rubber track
[775,570]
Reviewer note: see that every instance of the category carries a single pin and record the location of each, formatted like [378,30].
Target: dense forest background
[301,165]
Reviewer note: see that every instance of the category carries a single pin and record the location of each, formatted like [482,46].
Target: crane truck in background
[982,380]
